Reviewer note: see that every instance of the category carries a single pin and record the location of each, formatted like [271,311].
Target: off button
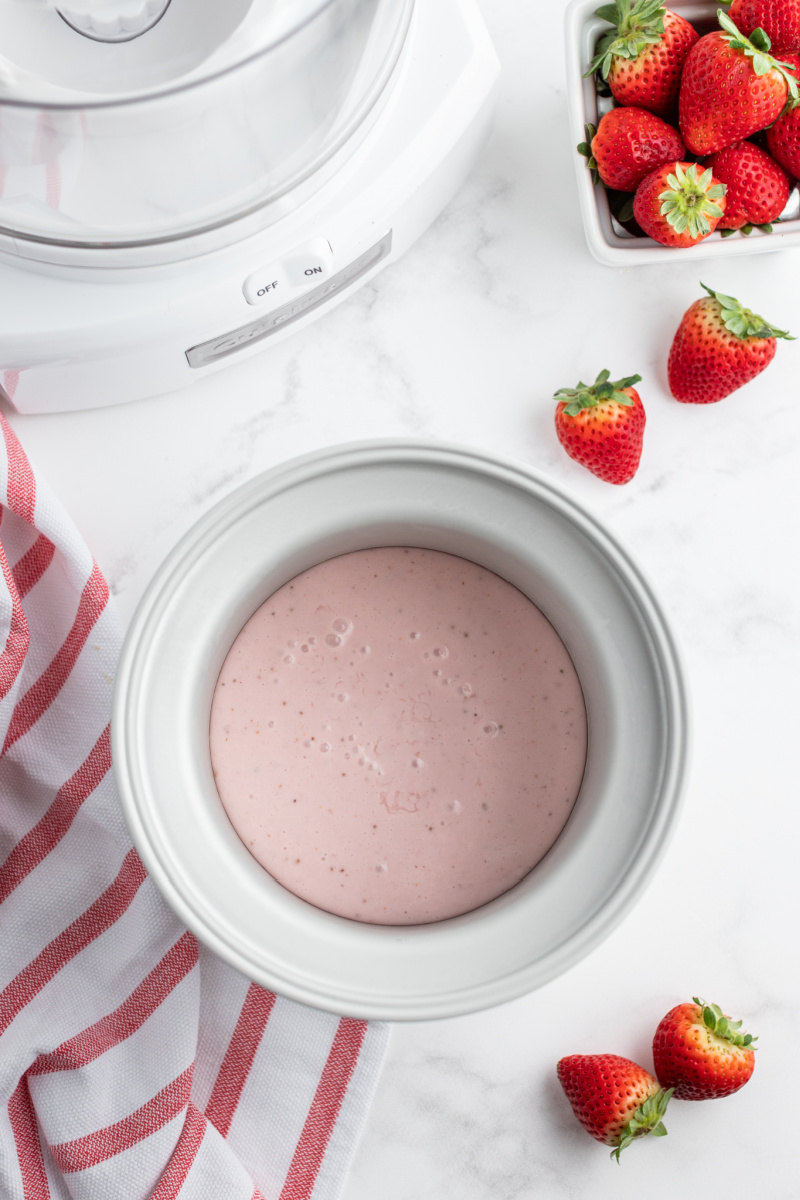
[303,267]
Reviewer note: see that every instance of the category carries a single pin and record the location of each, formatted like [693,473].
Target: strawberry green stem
[757,47]
[600,392]
[744,324]
[636,26]
[715,1020]
[690,199]
[648,1118]
[585,148]
[747,229]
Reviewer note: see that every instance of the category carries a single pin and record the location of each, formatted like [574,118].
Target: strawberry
[642,56]
[718,348]
[679,204]
[758,189]
[731,87]
[615,1100]
[780,20]
[628,144]
[701,1054]
[783,138]
[602,426]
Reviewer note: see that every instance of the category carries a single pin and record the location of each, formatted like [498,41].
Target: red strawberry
[730,88]
[602,426]
[629,143]
[701,1054]
[615,1100]
[758,189]
[780,20]
[718,348]
[679,204]
[642,56]
[783,138]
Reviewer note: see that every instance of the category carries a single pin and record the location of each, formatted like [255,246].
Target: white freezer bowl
[84,327]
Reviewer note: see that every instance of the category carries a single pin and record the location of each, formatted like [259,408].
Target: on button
[309,264]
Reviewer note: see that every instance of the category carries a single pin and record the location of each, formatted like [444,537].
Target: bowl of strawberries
[687,121]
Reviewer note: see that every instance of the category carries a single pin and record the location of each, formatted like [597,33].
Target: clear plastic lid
[126,122]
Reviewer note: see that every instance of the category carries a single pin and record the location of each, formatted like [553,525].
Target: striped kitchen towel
[133,1063]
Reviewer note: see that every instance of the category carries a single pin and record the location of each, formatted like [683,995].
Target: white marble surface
[466,339]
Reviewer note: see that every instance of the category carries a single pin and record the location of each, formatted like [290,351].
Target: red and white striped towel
[133,1063]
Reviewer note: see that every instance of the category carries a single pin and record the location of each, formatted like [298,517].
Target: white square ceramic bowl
[516,523]
[608,241]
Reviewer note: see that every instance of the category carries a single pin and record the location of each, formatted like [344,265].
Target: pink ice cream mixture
[398,735]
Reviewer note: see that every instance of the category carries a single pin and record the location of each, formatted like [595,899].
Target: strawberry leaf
[715,1020]
[689,199]
[647,1119]
[625,210]
[744,324]
[760,39]
[726,302]
[600,392]
[585,149]
[728,25]
[635,27]
[757,48]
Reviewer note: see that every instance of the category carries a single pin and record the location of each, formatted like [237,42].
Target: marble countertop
[466,338]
